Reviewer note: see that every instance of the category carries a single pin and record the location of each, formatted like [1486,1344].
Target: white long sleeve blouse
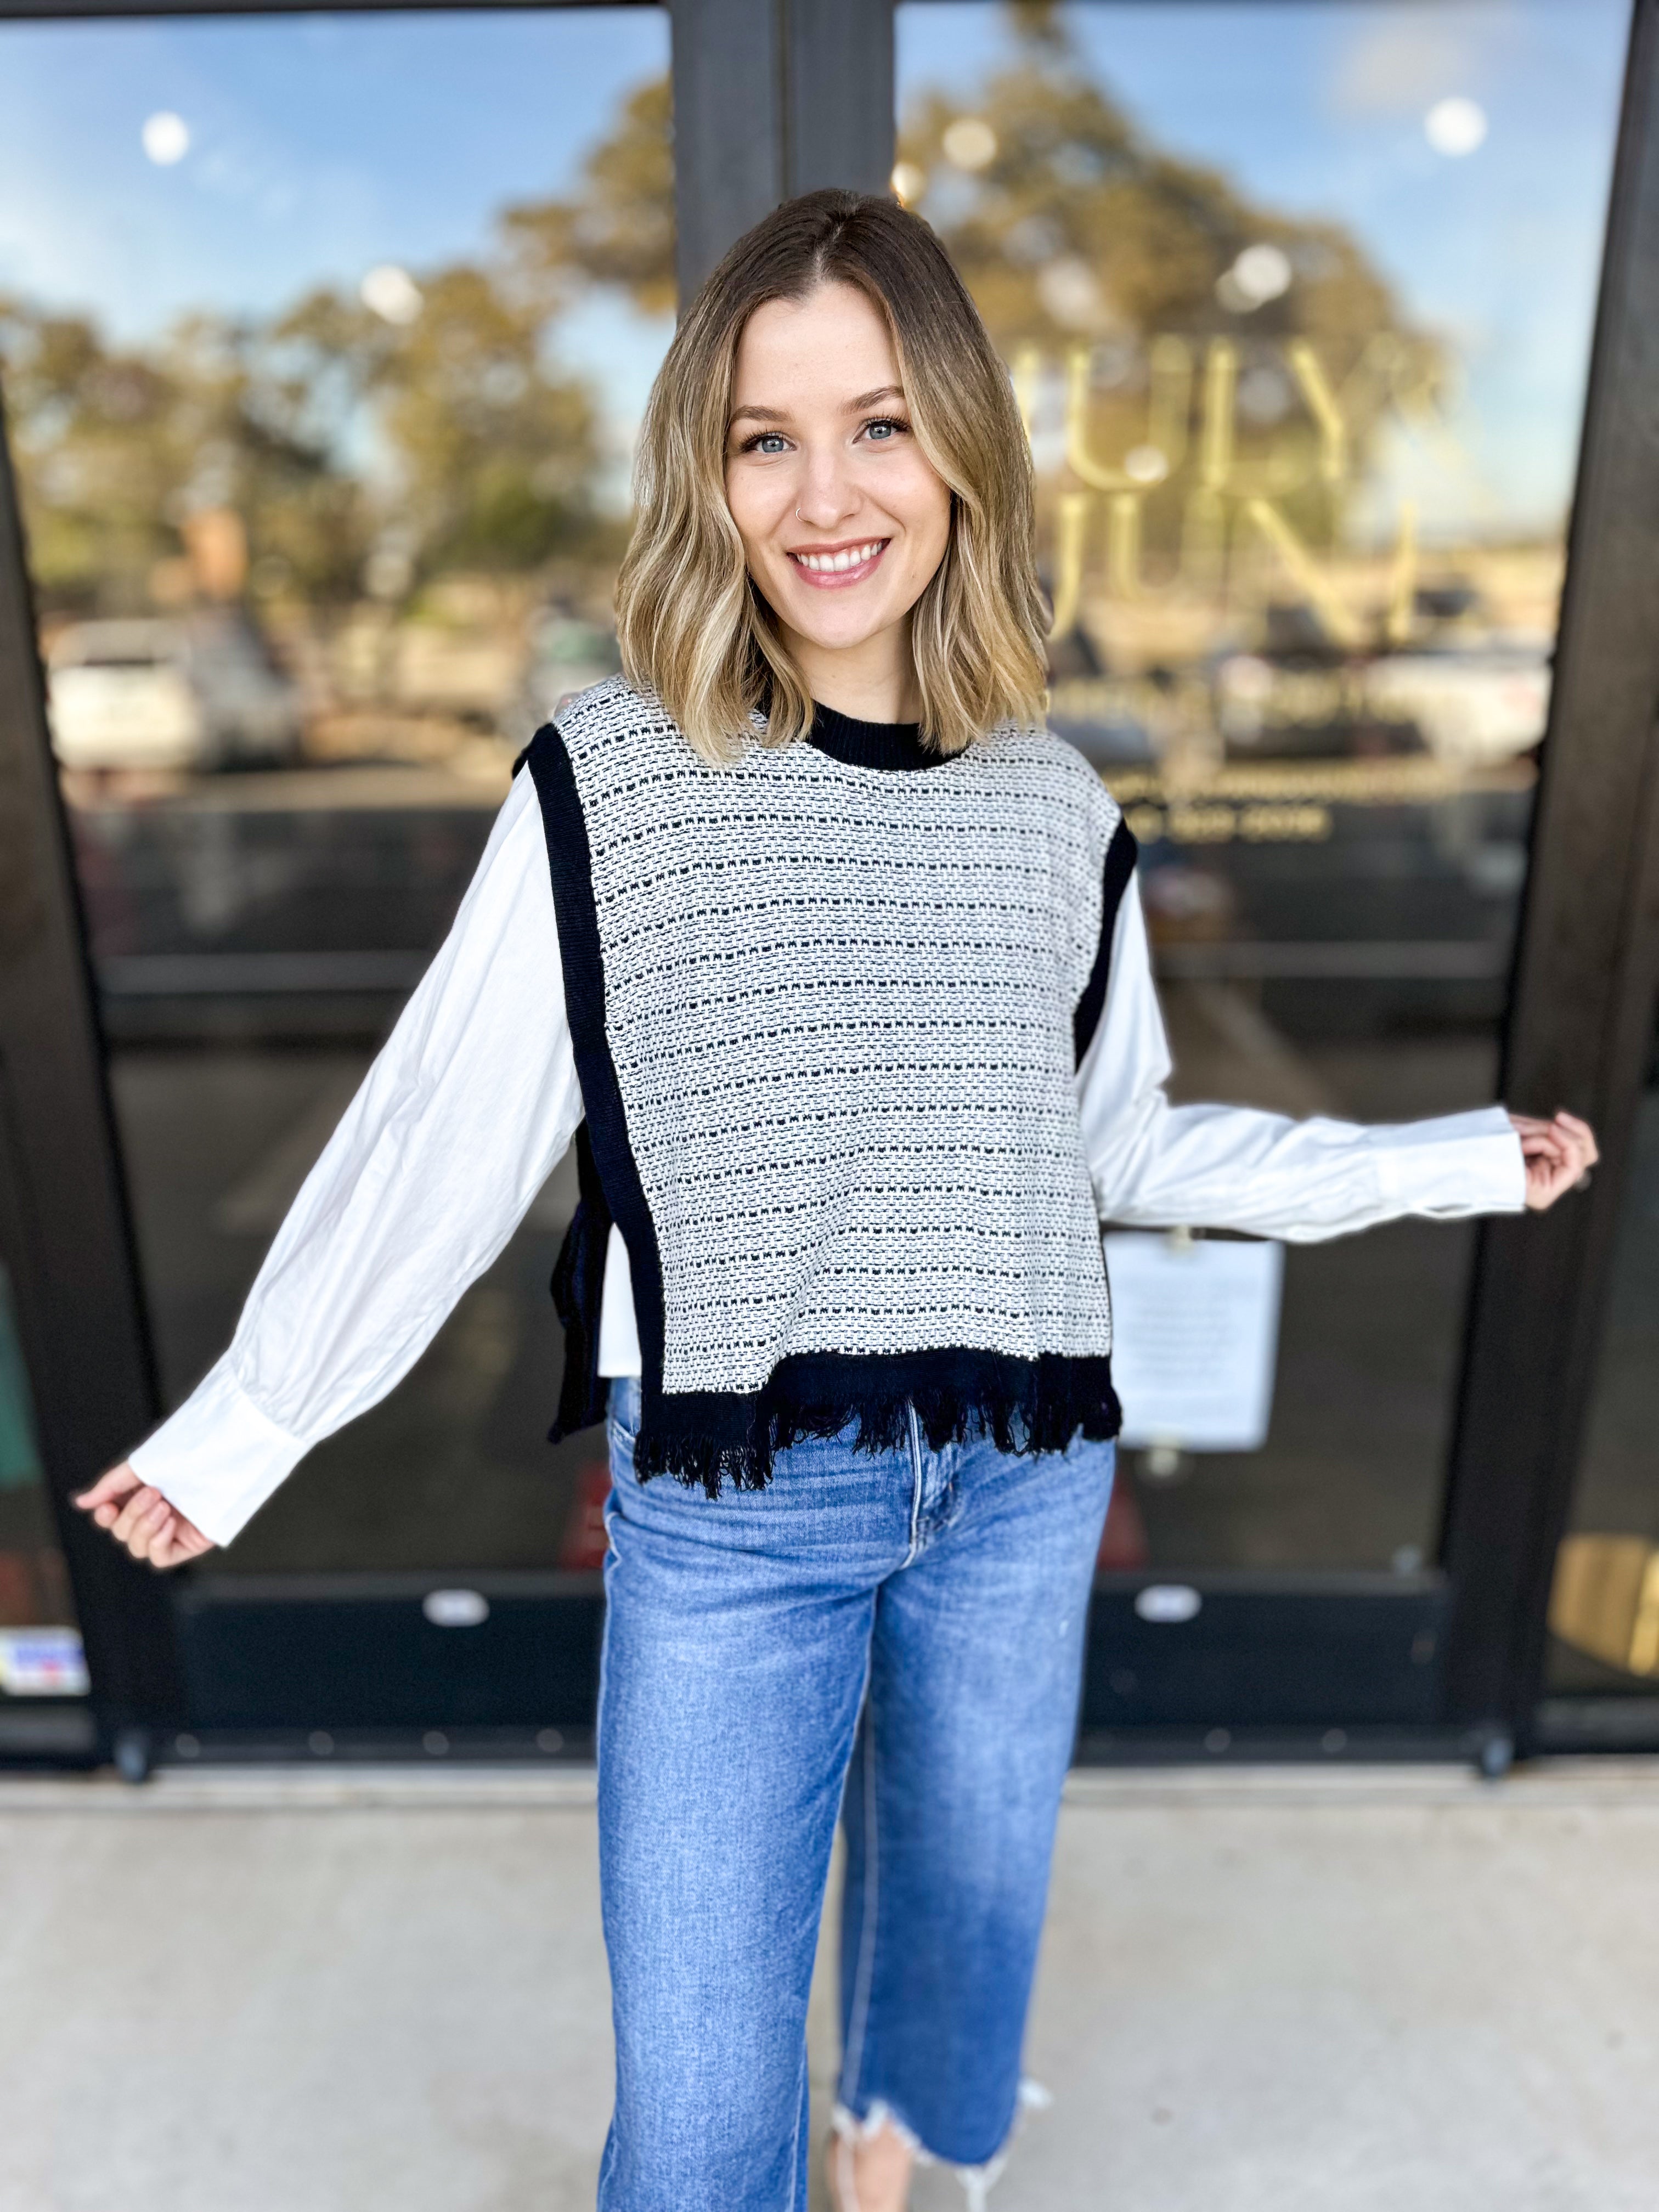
[474,1099]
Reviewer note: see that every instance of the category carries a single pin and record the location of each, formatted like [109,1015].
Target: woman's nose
[827,496]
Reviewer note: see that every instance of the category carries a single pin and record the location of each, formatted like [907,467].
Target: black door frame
[772,97]
[1581,1021]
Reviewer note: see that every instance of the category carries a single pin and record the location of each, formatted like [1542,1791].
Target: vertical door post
[64,1232]
[773,98]
[728,126]
[838,95]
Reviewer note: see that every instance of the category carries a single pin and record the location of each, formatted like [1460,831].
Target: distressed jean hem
[977,2181]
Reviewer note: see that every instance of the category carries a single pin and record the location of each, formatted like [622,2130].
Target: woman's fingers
[166,1545]
[1575,1152]
[140,1519]
[133,1508]
[1543,1144]
[1559,1154]
[158,1533]
[1532,1130]
[107,1490]
[166,1549]
[1544,1185]
[182,1539]
[1580,1139]
[112,1497]
[146,1525]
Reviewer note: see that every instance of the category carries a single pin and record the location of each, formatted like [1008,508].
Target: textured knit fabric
[827,1022]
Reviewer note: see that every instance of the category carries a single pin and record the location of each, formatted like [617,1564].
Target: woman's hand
[1558,1155]
[139,1517]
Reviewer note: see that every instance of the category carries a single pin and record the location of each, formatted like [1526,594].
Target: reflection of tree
[117,447]
[444,439]
[495,453]
[484,455]
[1139,239]
[499,453]
[449,438]
[621,230]
[1082,243]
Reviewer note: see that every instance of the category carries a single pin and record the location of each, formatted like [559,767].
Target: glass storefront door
[323,340]
[1298,302]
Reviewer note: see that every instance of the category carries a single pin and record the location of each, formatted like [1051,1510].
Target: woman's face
[842,518]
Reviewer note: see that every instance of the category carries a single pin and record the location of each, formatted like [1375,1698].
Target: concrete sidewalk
[1357,1990]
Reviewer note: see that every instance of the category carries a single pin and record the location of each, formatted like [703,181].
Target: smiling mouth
[830,566]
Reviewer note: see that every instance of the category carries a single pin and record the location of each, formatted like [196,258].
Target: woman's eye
[884,429]
[766,442]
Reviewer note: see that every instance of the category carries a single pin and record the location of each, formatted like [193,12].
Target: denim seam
[794,2136]
[853,2061]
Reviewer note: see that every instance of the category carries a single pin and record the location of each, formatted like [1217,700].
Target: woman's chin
[842,629]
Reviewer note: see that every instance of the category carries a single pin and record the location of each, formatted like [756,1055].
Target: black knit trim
[894,747]
[571,863]
[708,1437]
[578,1288]
[1120,856]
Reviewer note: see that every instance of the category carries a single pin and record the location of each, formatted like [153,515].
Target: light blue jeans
[898,1636]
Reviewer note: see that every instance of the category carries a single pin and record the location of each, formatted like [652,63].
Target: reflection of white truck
[1473,705]
[198,692]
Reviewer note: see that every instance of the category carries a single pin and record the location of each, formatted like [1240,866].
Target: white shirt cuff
[218,1458]
[1460,1163]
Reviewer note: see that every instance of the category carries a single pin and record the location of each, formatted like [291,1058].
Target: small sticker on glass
[42,1662]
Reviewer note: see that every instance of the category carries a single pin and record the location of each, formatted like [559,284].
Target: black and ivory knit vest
[826,1016]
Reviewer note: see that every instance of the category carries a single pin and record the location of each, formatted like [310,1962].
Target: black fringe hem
[710,1438]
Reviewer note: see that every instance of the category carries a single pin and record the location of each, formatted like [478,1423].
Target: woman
[836,957]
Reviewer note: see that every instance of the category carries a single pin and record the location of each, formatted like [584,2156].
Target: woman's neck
[872,682]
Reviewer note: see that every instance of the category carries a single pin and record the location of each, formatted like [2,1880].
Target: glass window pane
[1297,299]
[324,340]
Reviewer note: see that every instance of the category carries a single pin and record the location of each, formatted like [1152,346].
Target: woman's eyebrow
[757,413]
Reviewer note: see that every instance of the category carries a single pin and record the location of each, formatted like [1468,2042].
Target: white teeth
[831,563]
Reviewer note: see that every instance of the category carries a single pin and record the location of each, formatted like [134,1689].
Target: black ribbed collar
[871,745]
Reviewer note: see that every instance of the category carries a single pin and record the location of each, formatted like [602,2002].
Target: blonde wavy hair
[692,626]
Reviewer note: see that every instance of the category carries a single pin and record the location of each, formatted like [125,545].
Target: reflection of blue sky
[1317,110]
[320,146]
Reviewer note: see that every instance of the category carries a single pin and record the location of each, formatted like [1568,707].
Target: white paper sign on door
[1195,1338]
